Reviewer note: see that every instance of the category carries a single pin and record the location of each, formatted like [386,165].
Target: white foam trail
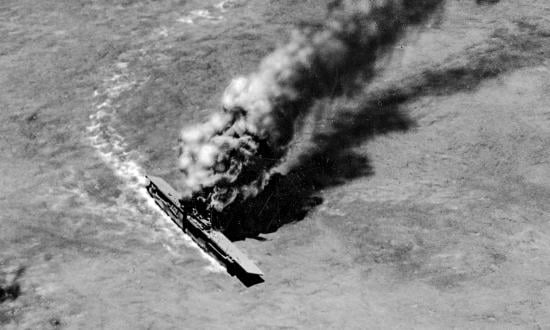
[163,32]
[186,20]
[199,14]
[112,149]
[204,13]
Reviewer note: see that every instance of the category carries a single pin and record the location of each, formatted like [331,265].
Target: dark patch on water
[55,322]
[12,290]
[288,198]
[487,2]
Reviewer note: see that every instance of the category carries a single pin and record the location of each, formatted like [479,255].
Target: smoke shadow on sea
[288,198]
[11,290]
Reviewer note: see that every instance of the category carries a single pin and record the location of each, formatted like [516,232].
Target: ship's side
[199,229]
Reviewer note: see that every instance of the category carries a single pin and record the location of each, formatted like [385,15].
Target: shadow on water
[288,198]
[12,290]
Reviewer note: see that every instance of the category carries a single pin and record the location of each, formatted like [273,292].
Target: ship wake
[114,152]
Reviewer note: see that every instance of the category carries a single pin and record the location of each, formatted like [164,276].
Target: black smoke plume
[231,157]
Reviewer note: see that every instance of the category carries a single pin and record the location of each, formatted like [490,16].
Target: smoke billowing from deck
[230,156]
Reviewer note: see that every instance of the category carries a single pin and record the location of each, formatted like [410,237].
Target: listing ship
[200,229]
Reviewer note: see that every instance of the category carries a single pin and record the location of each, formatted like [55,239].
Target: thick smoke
[230,157]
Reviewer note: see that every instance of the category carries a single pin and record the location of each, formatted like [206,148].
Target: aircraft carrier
[200,229]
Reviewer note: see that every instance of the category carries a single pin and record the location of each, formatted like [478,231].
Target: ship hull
[198,228]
